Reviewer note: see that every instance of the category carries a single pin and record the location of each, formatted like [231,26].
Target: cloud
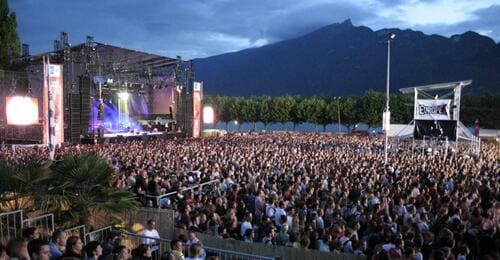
[198,28]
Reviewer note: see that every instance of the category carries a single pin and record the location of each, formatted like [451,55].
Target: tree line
[322,111]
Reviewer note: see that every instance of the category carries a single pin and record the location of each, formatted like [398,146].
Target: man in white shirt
[151,232]
[247,224]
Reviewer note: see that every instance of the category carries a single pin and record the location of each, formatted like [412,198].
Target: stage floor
[128,134]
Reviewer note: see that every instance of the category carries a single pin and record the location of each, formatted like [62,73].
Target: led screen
[22,110]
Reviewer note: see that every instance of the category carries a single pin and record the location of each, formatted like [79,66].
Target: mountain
[342,59]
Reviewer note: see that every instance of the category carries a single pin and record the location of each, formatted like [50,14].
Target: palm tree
[81,187]
[21,182]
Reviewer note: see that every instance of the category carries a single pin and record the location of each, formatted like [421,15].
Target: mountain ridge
[343,59]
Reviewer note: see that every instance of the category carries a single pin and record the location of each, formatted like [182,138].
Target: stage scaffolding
[459,138]
[93,70]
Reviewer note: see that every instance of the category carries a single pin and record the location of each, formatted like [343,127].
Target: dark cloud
[193,28]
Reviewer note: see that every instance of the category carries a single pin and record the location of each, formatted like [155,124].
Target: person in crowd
[195,252]
[121,252]
[57,244]
[93,250]
[107,245]
[142,252]
[3,253]
[17,248]
[38,249]
[31,233]
[74,248]
[177,249]
[151,233]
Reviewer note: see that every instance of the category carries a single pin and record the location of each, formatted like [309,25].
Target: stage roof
[110,57]
[439,86]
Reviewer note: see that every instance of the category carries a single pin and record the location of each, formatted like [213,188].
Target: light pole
[387,112]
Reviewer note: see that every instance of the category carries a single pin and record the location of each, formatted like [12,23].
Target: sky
[202,28]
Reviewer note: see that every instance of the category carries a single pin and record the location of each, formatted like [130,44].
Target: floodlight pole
[390,37]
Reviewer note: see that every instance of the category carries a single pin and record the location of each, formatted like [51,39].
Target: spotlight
[123,95]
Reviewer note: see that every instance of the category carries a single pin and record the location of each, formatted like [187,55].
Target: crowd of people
[63,246]
[323,192]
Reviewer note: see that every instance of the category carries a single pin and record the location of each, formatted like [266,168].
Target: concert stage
[119,137]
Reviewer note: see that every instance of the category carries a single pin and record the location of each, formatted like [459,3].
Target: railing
[99,235]
[78,231]
[160,199]
[11,223]
[163,245]
[44,222]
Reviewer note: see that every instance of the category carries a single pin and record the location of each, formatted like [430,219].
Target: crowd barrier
[160,200]
[99,234]
[161,246]
[78,231]
[45,224]
[11,223]
[268,251]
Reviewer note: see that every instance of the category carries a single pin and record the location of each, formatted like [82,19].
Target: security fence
[11,223]
[45,224]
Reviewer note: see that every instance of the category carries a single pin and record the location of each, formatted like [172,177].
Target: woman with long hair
[74,246]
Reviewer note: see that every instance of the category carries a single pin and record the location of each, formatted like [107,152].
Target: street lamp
[387,112]
[338,111]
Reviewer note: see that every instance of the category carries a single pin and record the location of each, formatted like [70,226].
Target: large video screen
[22,110]
[435,128]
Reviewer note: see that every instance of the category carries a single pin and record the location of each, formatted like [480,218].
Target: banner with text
[197,96]
[55,103]
[433,109]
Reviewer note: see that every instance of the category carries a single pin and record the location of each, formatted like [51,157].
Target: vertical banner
[197,96]
[45,102]
[56,109]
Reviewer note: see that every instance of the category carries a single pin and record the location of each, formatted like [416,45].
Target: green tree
[237,105]
[318,112]
[9,40]
[282,109]
[482,107]
[224,110]
[330,113]
[372,105]
[305,110]
[264,104]
[22,182]
[296,114]
[74,189]
[251,112]
[81,187]
[349,111]
[401,108]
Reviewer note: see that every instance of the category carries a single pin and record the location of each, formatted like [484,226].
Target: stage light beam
[123,95]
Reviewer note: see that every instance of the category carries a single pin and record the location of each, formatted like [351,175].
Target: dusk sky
[201,28]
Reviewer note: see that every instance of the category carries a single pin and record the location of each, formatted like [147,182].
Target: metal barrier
[132,240]
[163,197]
[99,235]
[11,224]
[78,231]
[45,223]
